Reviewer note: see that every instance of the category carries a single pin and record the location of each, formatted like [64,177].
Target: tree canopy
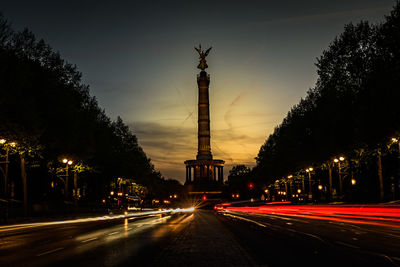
[45,105]
[353,106]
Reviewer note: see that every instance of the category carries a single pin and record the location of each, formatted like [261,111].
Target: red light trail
[383,215]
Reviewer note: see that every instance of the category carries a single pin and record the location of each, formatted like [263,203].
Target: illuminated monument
[204,174]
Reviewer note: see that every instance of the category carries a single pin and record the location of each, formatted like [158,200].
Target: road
[202,238]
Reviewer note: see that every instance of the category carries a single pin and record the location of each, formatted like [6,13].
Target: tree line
[49,113]
[352,110]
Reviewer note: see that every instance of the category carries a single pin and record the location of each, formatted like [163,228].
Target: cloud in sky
[321,16]
[236,139]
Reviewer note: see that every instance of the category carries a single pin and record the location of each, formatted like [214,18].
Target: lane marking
[347,245]
[113,233]
[396,258]
[88,240]
[48,252]
[289,229]
[245,219]
[307,234]
[385,256]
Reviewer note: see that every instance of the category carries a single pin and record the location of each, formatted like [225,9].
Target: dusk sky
[139,61]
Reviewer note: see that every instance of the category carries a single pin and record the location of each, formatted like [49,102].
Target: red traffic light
[204,198]
[251,186]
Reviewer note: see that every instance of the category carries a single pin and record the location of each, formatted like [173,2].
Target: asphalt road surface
[201,238]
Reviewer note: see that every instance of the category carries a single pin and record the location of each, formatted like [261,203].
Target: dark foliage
[44,104]
[353,106]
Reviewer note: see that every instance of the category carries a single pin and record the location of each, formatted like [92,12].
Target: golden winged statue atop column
[202,65]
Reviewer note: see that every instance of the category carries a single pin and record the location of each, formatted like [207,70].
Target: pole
[24,185]
[66,182]
[340,182]
[303,191]
[6,175]
[381,193]
[330,182]
[76,188]
[309,185]
[286,190]
[399,148]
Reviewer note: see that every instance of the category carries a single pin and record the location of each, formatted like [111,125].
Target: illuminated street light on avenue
[67,162]
[341,158]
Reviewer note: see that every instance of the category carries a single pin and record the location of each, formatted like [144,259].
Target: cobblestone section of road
[204,242]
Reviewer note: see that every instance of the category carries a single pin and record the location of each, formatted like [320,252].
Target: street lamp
[6,162]
[303,187]
[67,163]
[290,183]
[395,140]
[309,170]
[340,174]
[353,181]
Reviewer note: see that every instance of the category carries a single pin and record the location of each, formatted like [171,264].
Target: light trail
[381,215]
[94,219]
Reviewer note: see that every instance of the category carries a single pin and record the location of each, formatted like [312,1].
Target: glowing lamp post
[5,172]
[309,170]
[290,183]
[67,163]
[340,174]
[395,140]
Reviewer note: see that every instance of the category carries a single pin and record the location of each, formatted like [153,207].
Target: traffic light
[251,186]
